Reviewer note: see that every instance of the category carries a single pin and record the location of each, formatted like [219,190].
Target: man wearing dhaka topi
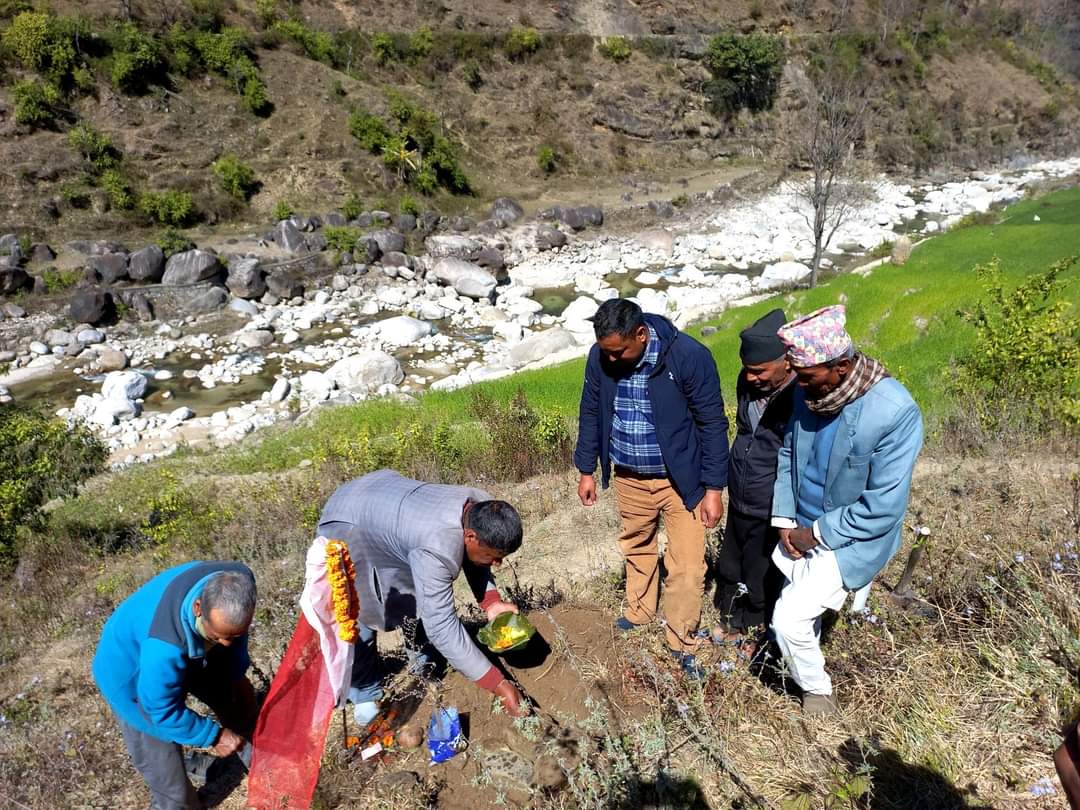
[842,484]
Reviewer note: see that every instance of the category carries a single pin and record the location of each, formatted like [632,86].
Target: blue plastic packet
[444,735]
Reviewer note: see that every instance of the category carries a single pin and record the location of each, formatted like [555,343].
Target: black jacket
[691,428]
[752,462]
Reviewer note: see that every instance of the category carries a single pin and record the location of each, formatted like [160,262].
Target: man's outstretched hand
[499,608]
[512,701]
[586,490]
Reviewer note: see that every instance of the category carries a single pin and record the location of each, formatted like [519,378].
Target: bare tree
[836,100]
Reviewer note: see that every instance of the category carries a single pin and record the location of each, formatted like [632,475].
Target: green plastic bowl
[489,633]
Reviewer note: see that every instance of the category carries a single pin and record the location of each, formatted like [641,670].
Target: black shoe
[689,664]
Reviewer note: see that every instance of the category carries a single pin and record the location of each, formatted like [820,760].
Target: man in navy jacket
[651,408]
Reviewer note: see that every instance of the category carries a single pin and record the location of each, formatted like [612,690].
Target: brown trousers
[642,502]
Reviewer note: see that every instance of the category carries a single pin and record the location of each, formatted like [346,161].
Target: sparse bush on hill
[521,43]
[95,147]
[408,205]
[236,178]
[172,207]
[341,238]
[746,72]
[317,45]
[40,459]
[227,52]
[616,48]
[45,44]
[524,441]
[1026,355]
[172,242]
[282,210]
[370,130]
[352,207]
[137,59]
[118,187]
[547,160]
[36,103]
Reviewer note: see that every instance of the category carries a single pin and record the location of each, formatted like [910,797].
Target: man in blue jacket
[651,408]
[842,484]
[184,632]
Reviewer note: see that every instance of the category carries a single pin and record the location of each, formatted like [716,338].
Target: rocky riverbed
[210,345]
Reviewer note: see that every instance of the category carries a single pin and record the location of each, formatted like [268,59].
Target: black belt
[627,472]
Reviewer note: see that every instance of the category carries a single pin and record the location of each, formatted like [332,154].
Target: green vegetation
[521,43]
[317,45]
[36,103]
[96,148]
[282,210]
[341,238]
[408,205]
[137,59]
[352,207]
[227,52]
[547,159]
[60,280]
[413,146]
[746,72]
[118,187]
[40,458]
[173,207]
[236,178]
[172,242]
[616,48]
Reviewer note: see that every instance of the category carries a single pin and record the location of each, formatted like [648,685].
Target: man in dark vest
[747,583]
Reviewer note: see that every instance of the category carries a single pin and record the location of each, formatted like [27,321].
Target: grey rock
[334,219]
[110,359]
[466,278]
[395,259]
[405,222]
[255,339]
[41,253]
[90,337]
[37,347]
[339,283]
[708,330]
[244,307]
[548,237]
[381,217]
[9,244]
[13,310]
[283,285]
[246,279]
[147,265]
[280,390]
[428,222]
[123,385]
[571,217]
[453,245]
[110,267]
[662,208]
[207,300]
[388,241]
[462,223]
[367,250]
[365,220]
[13,261]
[592,214]
[140,302]
[288,236]
[13,280]
[191,267]
[316,242]
[542,345]
[491,258]
[506,211]
[58,337]
[92,306]
[365,371]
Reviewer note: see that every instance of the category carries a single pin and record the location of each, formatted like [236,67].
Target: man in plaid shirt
[651,408]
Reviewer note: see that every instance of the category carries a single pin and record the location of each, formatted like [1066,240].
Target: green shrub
[521,43]
[1026,352]
[746,72]
[882,250]
[352,207]
[60,280]
[172,207]
[40,459]
[370,130]
[137,59]
[172,242]
[341,238]
[408,205]
[96,149]
[228,53]
[44,43]
[236,178]
[36,103]
[118,187]
[9,8]
[267,12]
[282,210]
[318,45]
[523,441]
[616,48]
[547,160]
[470,71]
[387,49]
[421,44]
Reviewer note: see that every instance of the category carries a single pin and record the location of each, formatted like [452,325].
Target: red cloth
[290,734]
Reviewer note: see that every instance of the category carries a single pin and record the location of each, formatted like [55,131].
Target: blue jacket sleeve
[161,693]
[884,501]
[240,658]
[702,386]
[783,502]
[587,449]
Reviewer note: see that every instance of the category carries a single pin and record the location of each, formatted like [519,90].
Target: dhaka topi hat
[817,338]
[760,343]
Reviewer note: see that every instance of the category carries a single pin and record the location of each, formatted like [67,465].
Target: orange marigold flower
[342,576]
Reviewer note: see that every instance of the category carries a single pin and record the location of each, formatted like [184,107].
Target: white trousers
[813,585]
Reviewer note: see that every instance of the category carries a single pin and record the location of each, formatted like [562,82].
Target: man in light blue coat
[843,478]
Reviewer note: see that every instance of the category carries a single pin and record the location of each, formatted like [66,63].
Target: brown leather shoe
[820,705]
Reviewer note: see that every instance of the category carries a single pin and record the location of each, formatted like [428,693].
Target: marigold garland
[342,576]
